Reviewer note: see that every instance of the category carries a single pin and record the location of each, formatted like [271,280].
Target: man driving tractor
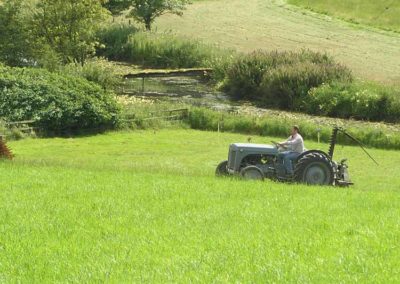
[294,146]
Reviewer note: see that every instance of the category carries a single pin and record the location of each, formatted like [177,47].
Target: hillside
[259,24]
[382,14]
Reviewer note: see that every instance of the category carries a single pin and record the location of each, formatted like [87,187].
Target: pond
[184,89]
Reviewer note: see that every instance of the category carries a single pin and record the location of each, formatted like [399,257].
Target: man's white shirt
[295,143]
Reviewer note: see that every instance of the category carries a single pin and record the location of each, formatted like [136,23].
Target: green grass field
[273,24]
[145,207]
[382,14]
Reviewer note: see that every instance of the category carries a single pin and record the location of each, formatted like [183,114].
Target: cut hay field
[271,24]
[144,206]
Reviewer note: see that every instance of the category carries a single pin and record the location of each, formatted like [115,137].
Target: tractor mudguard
[312,151]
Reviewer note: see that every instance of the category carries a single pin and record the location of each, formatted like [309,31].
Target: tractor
[313,167]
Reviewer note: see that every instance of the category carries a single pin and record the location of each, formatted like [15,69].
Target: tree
[15,48]
[117,6]
[68,27]
[146,11]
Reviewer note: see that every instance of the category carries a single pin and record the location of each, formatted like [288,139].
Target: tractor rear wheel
[252,173]
[222,169]
[314,169]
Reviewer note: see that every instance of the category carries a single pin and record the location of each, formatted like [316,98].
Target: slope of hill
[145,207]
[382,14]
[268,24]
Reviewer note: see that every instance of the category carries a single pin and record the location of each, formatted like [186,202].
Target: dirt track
[268,24]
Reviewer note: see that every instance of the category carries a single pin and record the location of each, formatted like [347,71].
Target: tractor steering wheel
[279,147]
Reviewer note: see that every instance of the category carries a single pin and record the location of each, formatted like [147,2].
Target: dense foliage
[116,6]
[68,27]
[15,46]
[56,102]
[49,32]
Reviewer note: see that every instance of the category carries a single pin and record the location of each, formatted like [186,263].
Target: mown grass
[145,207]
[382,14]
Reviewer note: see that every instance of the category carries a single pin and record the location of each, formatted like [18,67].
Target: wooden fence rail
[173,114]
[171,73]
[24,125]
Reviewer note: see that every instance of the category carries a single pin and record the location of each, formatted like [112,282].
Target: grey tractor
[314,167]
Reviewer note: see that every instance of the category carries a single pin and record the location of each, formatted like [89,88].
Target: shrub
[280,79]
[244,76]
[359,100]
[56,102]
[286,86]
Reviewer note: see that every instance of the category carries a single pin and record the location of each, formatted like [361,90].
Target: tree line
[50,32]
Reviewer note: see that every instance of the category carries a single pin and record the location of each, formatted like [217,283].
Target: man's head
[295,129]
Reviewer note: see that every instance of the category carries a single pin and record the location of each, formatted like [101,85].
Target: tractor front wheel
[252,173]
[222,169]
[314,169]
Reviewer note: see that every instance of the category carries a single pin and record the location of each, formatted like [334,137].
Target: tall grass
[160,50]
[374,136]
[97,70]
[114,40]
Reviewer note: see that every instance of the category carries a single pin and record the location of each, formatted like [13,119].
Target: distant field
[270,25]
[382,14]
[144,206]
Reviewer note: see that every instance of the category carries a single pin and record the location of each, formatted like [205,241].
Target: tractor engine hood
[254,148]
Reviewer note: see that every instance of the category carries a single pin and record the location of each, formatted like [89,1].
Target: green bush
[280,79]
[286,86]
[56,102]
[365,101]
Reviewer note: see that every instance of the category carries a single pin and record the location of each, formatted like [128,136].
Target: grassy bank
[145,207]
[278,124]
